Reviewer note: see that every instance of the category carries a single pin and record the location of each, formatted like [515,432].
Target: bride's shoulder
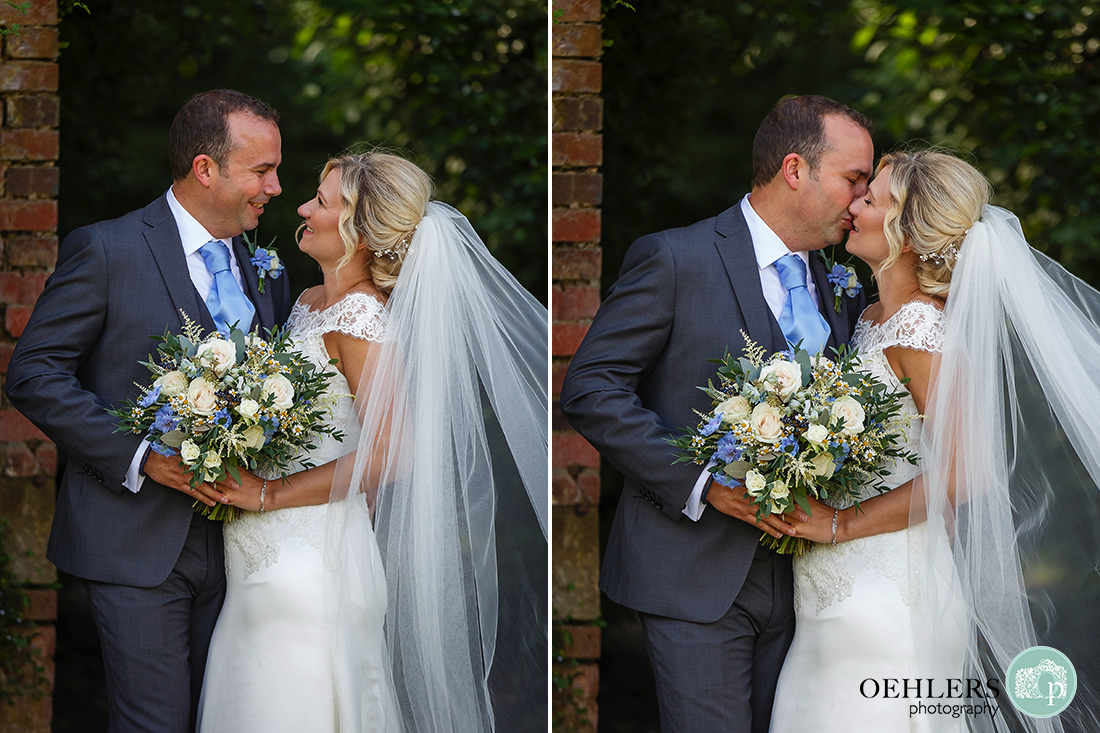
[360,314]
[918,325]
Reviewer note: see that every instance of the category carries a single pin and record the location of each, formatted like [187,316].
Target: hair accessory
[948,253]
[401,248]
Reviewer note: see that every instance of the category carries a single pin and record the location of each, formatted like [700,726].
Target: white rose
[851,412]
[254,437]
[171,383]
[189,452]
[248,408]
[779,493]
[734,409]
[786,380]
[202,396]
[767,425]
[281,389]
[217,354]
[212,460]
[816,434]
[755,483]
[824,465]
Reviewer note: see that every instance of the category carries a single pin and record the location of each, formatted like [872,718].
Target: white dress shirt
[193,235]
[769,248]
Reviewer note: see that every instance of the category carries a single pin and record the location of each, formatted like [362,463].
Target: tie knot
[792,271]
[216,256]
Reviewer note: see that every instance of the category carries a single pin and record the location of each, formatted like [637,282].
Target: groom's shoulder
[702,233]
[128,225]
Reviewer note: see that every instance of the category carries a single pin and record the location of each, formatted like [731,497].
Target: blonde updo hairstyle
[934,200]
[384,198]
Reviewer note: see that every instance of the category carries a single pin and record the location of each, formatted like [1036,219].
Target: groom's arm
[599,396]
[65,326]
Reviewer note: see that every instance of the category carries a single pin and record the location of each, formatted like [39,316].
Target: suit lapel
[739,259]
[163,238]
[265,312]
[838,322]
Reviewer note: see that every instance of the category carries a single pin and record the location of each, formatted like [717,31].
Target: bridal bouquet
[794,426]
[221,403]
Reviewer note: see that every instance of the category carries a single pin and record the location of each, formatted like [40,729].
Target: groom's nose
[271,184]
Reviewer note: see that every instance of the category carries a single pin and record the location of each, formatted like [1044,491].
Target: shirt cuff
[134,477]
[695,506]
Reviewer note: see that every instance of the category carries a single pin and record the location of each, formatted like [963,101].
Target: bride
[399,583]
[962,563]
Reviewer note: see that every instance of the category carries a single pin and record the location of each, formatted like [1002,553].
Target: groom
[716,607]
[153,568]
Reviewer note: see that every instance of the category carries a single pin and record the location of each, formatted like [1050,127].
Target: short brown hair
[201,127]
[797,125]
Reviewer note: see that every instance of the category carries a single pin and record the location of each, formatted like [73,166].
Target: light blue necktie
[800,320]
[227,304]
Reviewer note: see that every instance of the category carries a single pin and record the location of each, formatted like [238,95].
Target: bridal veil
[452,463]
[1011,459]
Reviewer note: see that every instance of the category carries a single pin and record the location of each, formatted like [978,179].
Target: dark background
[1013,87]
[459,84]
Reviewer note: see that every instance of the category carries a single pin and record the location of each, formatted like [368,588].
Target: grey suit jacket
[116,283]
[682,297]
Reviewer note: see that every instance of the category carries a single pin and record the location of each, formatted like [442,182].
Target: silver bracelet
[263,493]
[835,512]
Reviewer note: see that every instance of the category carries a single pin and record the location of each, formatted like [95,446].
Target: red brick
[576,76]
[571,263]
[570,11]
[573,302]
[578,642]
[28,76]
[571,449]
[28,215]
[576,225]
[19,461]
[15,320]
[577,113]
[33,282]
[584,488]
[557,373]
[43,607]
[11,287]
[5,356]
[572,149]
[46,455]
[40,110]
[13,426]
[30,251]
[581,712]
[32,43]
[577,40]
[29,144]
[25,182]
[577,188]
[40,12]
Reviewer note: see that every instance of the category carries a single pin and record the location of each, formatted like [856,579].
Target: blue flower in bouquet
[165,420]
[150,398]
[789,445]
[162,449]
[711,425]
[728,481]
[728,449]
[222,418]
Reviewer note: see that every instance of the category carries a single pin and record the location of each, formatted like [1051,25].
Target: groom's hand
[735,505]
[167,471]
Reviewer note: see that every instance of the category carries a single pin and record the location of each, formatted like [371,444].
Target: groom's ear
[204,168]
[793,170]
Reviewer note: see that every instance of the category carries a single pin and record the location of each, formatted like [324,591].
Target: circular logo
[1041,682]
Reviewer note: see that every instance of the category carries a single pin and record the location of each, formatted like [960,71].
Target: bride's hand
[818,527]
[246,494]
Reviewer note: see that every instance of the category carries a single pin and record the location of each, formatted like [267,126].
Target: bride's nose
[303,210]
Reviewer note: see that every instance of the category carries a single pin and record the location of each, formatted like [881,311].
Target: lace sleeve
[918,326]
[358,315]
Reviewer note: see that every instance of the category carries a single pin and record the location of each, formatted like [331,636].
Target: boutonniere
[265,260]
[844,280]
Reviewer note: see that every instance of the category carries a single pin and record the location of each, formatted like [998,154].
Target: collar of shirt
[768,248]
[193,235]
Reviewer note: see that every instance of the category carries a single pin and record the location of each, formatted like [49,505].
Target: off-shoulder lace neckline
[348,296]
[906,308]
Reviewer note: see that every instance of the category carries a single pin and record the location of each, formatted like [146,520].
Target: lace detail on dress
[917,325]
[357,314]
[259,537]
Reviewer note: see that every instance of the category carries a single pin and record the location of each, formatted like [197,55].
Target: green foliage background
[461,84]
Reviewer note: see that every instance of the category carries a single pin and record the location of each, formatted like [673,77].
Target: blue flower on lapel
[843,279]
[265,260]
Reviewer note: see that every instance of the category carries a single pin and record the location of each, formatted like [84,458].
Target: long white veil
[1011,459]
[452,460]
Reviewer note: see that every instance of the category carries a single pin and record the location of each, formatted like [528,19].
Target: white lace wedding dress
[271,665]
[854,602]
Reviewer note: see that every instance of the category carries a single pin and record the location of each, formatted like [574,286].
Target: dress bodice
[832,571]
[259,536]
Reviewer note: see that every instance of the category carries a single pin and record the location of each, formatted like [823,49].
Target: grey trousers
[155,639]
[720,677]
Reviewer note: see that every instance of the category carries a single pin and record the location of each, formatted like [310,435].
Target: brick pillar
[28,249]
[577,194]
